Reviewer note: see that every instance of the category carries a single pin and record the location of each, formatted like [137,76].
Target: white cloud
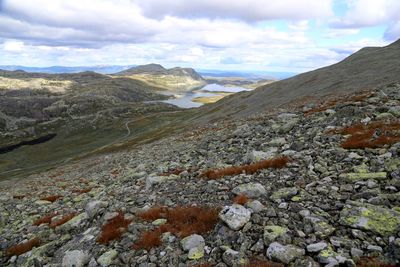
[250,10]
[364,13]
[13,46]
[337,33]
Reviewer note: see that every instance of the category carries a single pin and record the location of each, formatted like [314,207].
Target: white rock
[192,241]
[235,216]
[75,258]
[317,247]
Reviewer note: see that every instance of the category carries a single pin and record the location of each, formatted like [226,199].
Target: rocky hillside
[181,79]
[313,185]
[367,68]
[30,100]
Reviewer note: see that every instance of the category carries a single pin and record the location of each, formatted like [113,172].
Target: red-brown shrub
[372,262]
[51,198]
[45,219]
[263,263]
[182,221]
[278,162]
[175,172]
[202,265]
[373,135]
[82,191]
[241,199]
[148,240]
[62,220]
[113,229]
[23,247]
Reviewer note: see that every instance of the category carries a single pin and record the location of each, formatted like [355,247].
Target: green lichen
[296,198]
[196,253]
[377,219]
[354,177]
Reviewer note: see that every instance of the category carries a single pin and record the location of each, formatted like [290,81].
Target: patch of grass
[241,199]
[113,229]
[45,219]
[23,247]
[278,162]
[51,198]
[181,221]
[62,220]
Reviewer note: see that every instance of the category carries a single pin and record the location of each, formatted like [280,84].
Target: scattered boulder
[251,190]
[235,216]
[284,254]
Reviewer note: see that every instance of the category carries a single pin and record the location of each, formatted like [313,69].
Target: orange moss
[23,247]
[372,262]
[62,220]
[181,221]
[45,219]
[241,199]
[373,135]
[51,198]
[278,162]
[113,229]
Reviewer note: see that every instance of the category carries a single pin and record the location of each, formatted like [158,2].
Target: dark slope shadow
[36,141]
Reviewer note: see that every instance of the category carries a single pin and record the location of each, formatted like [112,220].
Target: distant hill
[368,68]
[63,69]
[181,79]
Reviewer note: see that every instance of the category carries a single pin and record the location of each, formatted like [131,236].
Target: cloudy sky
[260,35]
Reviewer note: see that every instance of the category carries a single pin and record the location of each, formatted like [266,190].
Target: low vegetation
[276,163]
[46,219]
[51,198]
[62,220]
[263,263]
[23,247]
[373,135]
[113,229]
[181,221]
[241,199]
[372,262]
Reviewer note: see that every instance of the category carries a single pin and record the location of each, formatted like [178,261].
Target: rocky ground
[329,206]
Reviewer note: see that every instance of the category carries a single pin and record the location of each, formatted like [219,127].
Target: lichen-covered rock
[255,206]
[251,190]
[284,254]
[153,180]
[284,194]
[235,216]
[107,258]
[369,217]
[321,227]
[273,232]
[362,176]
[317,247]
[234,258]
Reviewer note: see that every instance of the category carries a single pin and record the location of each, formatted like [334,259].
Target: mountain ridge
[367,68]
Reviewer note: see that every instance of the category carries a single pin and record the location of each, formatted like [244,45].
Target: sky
[245,35]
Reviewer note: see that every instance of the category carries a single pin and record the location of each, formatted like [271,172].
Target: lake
[184,100]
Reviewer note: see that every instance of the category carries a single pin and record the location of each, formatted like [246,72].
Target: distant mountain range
[112,69]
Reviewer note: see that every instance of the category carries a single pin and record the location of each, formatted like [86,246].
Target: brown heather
[23,247]
[45,219]
[277,163]
[62,220]
[113,229]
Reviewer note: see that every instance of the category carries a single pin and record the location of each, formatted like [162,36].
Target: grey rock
[317,247]
[235,216]
[251,190]
[75,258]
[93,208]
[284,254]
[107,258]
[192,241]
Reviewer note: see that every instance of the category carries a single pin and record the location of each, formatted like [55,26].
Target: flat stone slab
[377,219]
[362,176]
[252,190]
